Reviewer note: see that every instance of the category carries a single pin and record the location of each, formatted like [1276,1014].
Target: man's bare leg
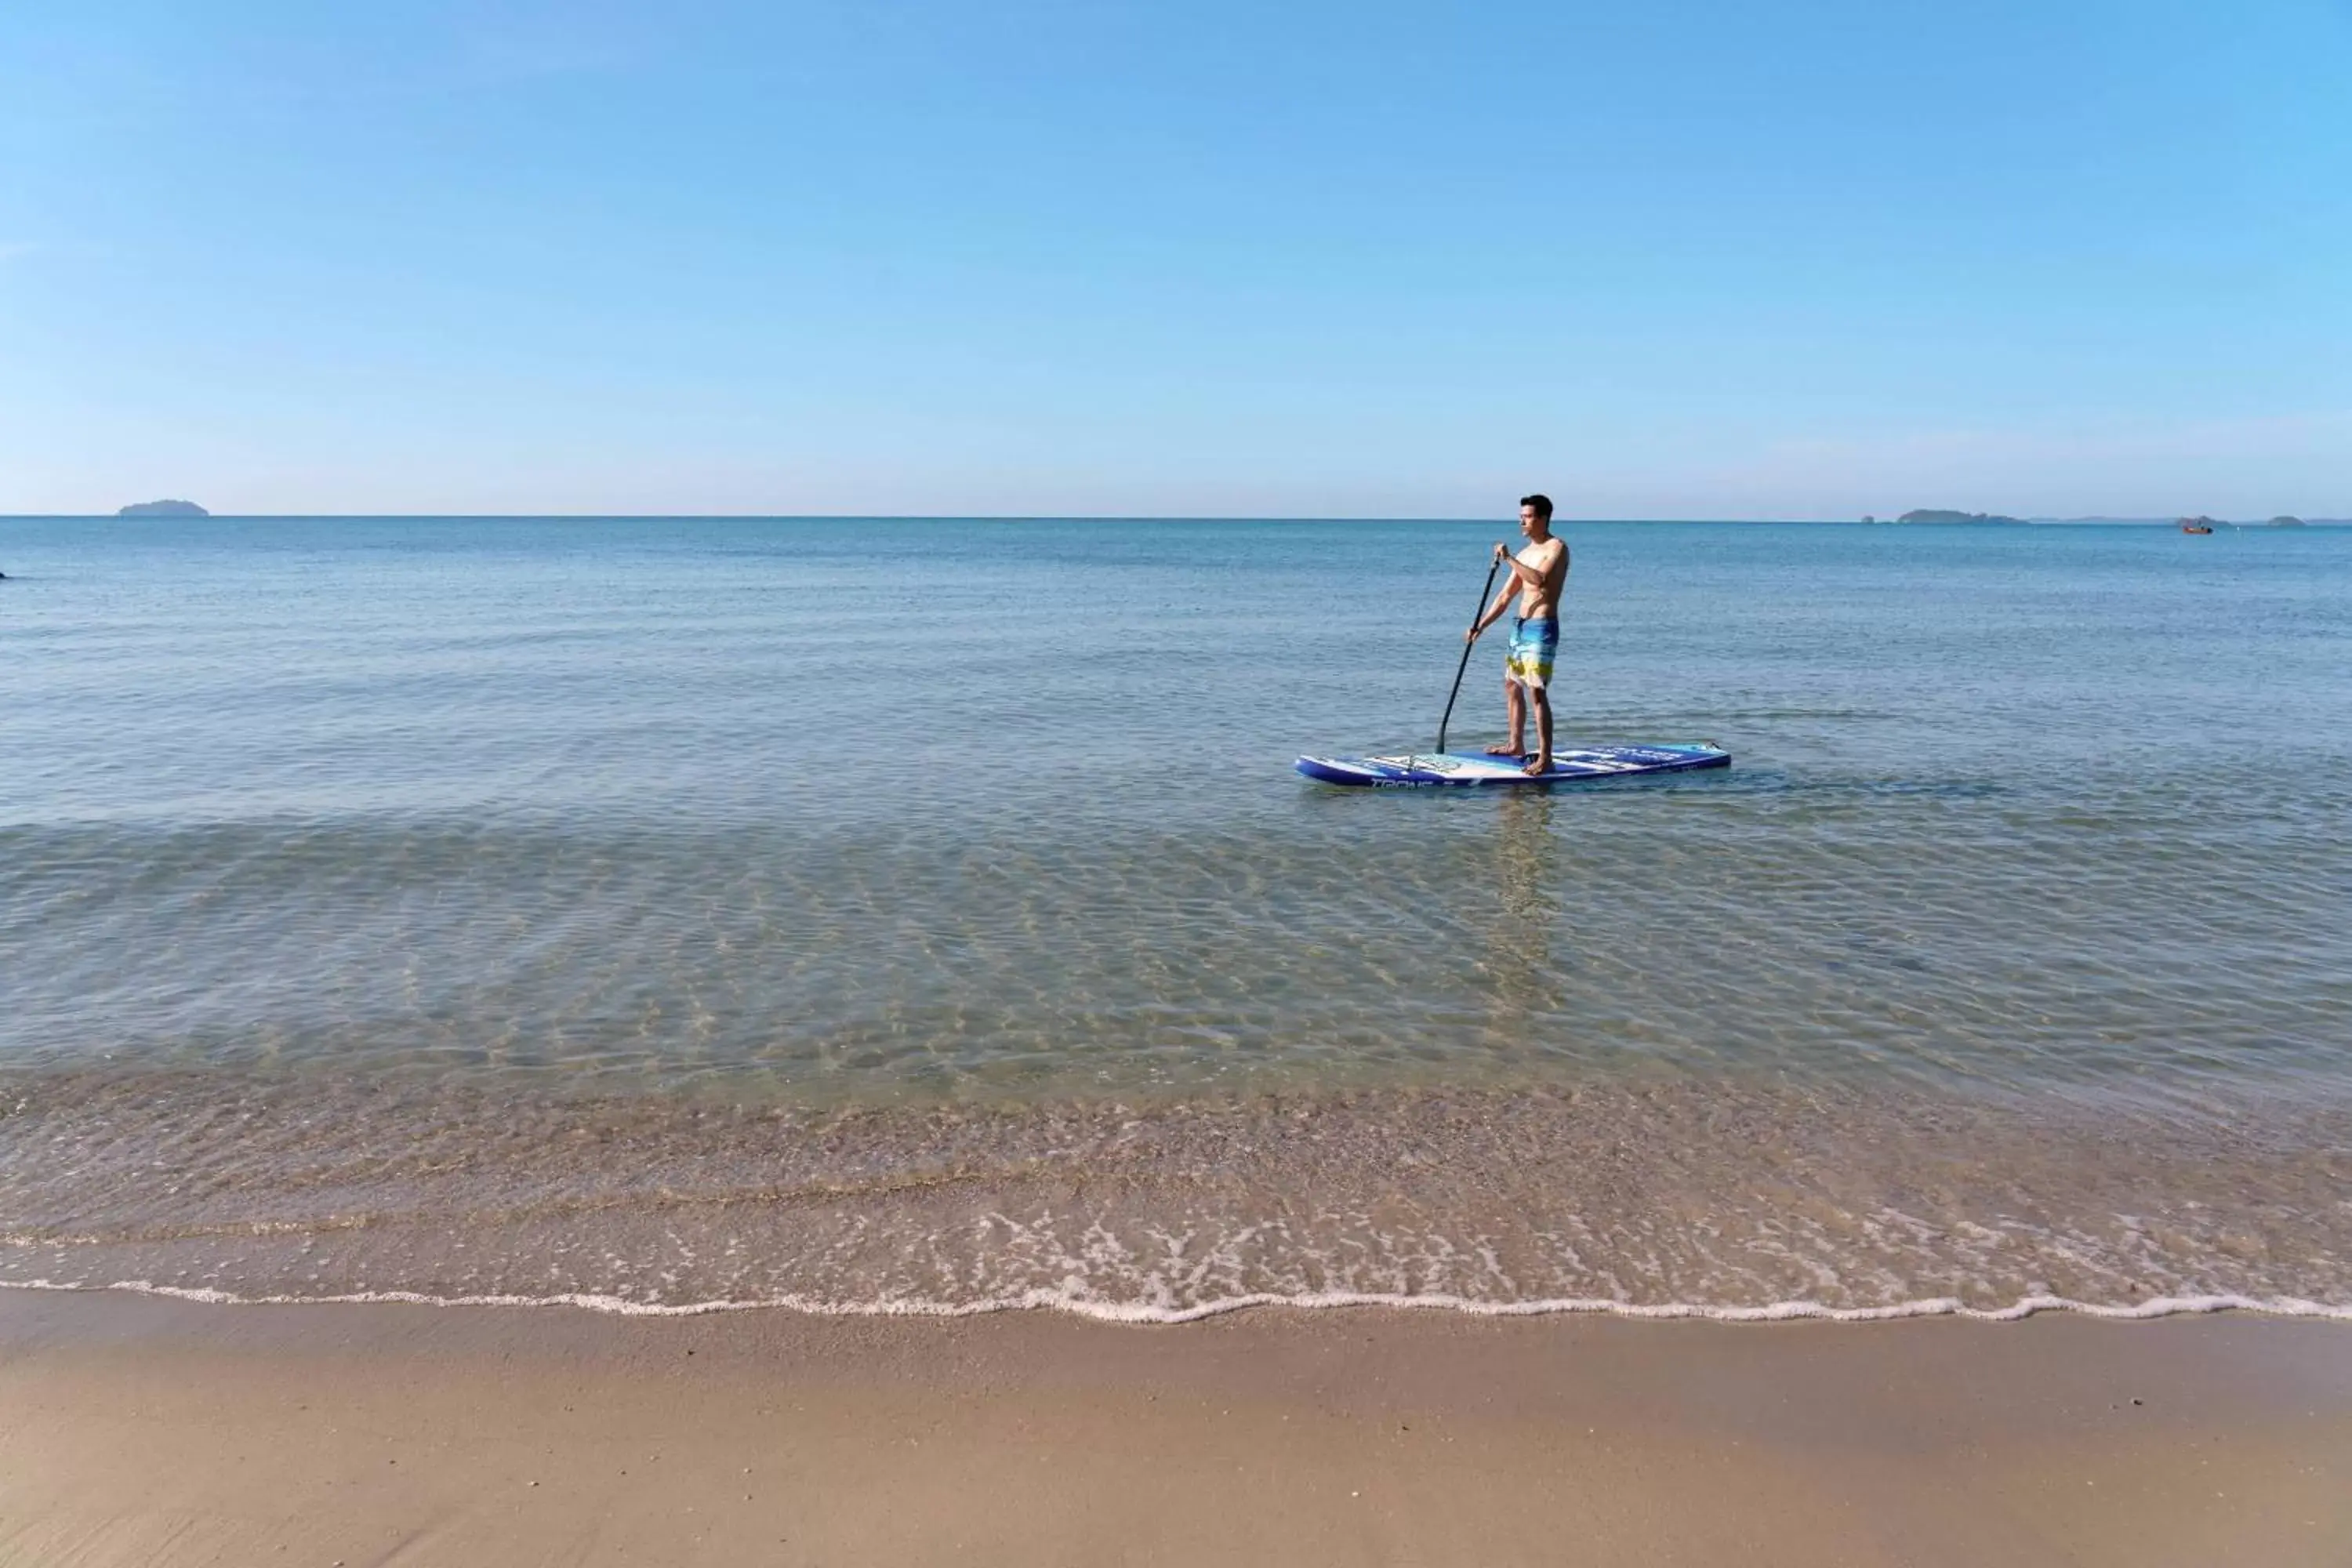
[1542,763]
[1514,704]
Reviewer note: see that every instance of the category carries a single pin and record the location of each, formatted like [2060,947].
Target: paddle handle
[1467,645]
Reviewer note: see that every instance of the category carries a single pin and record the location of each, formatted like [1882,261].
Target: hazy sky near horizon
[1046,257]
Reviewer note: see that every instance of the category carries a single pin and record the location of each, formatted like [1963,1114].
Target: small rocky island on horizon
[163,509]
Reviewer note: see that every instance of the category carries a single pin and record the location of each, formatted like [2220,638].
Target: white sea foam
[1135,1312]
[1703,1200]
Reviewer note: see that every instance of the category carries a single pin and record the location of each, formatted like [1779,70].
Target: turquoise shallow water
[2033,845]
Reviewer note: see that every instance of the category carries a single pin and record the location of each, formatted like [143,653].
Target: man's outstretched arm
[1494,612]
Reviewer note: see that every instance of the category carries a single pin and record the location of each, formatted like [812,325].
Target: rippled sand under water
[1664,1196]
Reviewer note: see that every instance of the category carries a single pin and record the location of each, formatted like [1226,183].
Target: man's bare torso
[1541,600]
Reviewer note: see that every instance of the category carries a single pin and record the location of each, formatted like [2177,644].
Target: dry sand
[140,1431]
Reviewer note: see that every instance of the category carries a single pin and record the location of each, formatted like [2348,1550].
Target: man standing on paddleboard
[1538,574]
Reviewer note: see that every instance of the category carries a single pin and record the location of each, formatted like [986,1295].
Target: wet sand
[135,1430]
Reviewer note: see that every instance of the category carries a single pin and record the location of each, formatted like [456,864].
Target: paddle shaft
[1467,645]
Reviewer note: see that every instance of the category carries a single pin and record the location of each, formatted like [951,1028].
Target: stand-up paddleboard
[1425,768]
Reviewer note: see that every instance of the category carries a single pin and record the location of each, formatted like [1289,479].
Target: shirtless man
[1538,573]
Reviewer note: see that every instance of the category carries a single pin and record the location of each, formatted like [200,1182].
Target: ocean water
[922,915]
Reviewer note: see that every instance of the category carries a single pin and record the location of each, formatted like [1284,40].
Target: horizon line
[1995,519]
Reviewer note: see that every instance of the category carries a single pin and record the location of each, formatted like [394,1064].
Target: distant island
[163,509]
[2286,523]
[1976,517]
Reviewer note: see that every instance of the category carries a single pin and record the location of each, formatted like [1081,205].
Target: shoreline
[1673,1196]
[1147,1316]
[138,1429]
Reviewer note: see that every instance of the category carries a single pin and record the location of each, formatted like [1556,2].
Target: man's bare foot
[1536,765]
[1513,749]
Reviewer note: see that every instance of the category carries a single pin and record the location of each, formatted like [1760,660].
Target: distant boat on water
[2196,525]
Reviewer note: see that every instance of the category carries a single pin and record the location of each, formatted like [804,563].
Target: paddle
[1468,644]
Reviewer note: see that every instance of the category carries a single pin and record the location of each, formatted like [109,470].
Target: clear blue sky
[1370,259]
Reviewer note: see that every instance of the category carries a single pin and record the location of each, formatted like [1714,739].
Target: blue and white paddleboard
[1476,768]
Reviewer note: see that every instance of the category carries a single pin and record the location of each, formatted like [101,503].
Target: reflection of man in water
[1538,573]
[1522,921]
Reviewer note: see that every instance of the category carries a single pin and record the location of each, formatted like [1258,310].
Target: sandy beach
[138,1430]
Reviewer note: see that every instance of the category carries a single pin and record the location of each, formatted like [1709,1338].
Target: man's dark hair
[1542,503]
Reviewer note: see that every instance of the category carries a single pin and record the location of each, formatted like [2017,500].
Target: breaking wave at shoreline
[1777,1313]
[1671,1196]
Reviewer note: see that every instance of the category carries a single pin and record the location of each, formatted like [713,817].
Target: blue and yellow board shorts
[1534,644]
